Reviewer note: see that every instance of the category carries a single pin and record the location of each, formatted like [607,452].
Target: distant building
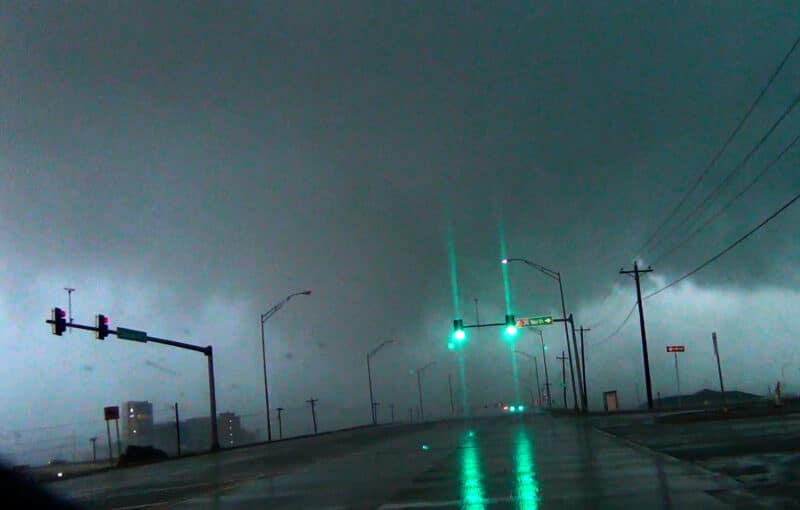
[196,433]
[229,427]
[137,419]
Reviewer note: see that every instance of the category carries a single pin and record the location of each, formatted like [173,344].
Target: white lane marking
[147,505]
[436,504]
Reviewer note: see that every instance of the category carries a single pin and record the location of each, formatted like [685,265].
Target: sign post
[110,413]
[719,368]
[675,349]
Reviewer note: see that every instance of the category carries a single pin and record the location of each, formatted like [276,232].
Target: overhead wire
[727,249]
[724,146]
[727,205]
[701,266]
[712,195]
[617,330]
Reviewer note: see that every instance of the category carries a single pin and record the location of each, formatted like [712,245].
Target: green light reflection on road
[525,469]
[471,488]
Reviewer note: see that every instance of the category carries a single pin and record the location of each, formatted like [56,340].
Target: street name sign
[131,334]
[529,322]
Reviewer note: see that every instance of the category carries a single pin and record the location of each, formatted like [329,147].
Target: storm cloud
[185,167]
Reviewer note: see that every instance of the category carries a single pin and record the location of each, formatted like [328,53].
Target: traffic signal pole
[142,337]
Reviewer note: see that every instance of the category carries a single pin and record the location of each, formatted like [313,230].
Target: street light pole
[419,388]
[535,366]
[557,276]
[264,318]
[546,376]
[370,354]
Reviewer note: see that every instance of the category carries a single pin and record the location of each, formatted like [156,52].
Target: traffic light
[102,327]
[458,330]
[59,319]
[511,325]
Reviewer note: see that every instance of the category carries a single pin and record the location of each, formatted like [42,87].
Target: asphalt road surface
[759,452]
[512,461]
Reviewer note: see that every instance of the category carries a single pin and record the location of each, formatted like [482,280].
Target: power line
[722,149]
[727,249]
[730,202]
[708,198]
[619,328]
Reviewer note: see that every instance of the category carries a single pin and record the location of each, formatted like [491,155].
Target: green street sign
[529,322]
[131,334]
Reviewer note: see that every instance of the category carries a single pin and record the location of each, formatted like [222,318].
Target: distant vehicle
[56,462]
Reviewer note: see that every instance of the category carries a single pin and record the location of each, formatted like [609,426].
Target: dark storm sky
[186,165]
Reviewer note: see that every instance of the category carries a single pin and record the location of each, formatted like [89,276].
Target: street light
[264,318]
[369,376]
[419,372]
[557,276]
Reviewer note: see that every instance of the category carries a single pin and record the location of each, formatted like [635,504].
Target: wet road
[523,462]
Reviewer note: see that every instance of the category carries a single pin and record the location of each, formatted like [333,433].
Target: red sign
[111,413]
[676,348]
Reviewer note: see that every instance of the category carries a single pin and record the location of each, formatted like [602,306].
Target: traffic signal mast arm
[484,325]
[163,341]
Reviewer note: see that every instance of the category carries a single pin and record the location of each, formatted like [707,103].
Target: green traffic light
[459,335]
[512,408]
[521,408]
[511,330]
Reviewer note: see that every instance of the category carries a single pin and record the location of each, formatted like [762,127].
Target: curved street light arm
[272,311]
[549,272]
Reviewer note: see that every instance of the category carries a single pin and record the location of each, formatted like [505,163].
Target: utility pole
[546,376]
[69,290]
[678,381]
[313,401]
[583,364]
[391,406]
[563,359]
[410,415]
[93,440]
[636,271]
[375,406]
[577,363]
[719,368]
[178,429]
[280,423]
[450,387]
